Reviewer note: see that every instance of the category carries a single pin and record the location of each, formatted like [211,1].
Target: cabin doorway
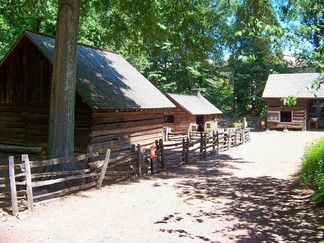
[200,123]
[316,110]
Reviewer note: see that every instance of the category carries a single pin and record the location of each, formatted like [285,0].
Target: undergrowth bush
[312,169]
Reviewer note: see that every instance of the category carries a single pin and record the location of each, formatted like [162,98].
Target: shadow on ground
[267,209]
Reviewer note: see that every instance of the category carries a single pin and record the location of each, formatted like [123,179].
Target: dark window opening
[168,119]
[200,122]
[285,116]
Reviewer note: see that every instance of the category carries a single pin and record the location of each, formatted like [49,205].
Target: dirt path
[244,195]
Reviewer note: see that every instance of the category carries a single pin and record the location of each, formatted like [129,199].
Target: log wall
[299,114]
[184,120]
[118,130]
[26,125]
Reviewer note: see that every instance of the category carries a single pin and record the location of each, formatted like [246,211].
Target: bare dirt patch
[247,194]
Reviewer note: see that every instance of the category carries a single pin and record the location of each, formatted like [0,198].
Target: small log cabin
[115,105]
[192,112]
[307,113]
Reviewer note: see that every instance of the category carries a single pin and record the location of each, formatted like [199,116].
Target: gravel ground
[247,194]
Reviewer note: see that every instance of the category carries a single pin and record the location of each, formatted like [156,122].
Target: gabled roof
[105,80]
[292,84]
[194,104]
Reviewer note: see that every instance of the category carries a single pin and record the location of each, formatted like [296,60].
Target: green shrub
[237,124]
[312,169]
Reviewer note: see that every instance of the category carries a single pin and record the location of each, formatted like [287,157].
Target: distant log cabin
[193,112]
[115,105]
[307,113]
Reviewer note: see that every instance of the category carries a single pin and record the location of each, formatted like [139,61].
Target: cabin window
[273,116]
[168,119]
[285,116]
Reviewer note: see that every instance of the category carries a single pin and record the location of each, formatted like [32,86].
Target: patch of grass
[312,170]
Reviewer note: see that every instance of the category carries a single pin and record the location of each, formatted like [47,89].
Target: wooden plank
[63,179]
[59,173]
[122,163]
[104,169]
[120,173]
[34,164]
[66,190]
[30,200]
[129,130]
[22,149]
[139,161]
[13,190]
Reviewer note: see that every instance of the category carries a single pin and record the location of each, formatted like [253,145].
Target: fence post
[13,189]
[201,146]
[167,132]
[139,161]
[236,137]
[229,139]
[184,150]
[205,146]
[29,188]
[217,141]
[103,170]
[163,162]
[214,140]
[243,135]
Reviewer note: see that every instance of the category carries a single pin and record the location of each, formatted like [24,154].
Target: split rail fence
[24,182]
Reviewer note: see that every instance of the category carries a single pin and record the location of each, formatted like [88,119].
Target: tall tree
[305,27]
[190,44]
[62,100]
[16,16]
[252,56]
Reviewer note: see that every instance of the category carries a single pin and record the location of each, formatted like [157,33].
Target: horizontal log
[118,158]
[66,191]
[64,179]
[170,153]
[22,149]
[108,125]
[120,173]
[59,173]
[172,145]
[34,164]
[128,130]
[112,165]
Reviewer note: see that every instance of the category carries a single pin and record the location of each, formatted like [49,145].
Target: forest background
[227,48]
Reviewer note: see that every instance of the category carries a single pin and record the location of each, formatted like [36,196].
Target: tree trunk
[62,100]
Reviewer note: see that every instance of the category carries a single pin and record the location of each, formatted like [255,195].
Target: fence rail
[198,146]
[24,181]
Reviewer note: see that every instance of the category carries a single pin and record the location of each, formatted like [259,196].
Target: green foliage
[237,124]
[220,93]
[254,53]
[305,29]
[312,170]
[16,16]
[290,100]
[180,45]
[264,113]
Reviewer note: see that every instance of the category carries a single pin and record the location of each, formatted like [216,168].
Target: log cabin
[193,112]
[115,105]
[308,111]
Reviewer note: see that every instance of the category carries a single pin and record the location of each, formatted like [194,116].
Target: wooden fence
[198,146]
[23,181]
[32,181]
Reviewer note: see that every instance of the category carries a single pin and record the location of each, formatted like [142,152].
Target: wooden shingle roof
[292,84]
[105,80]
[194,104]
